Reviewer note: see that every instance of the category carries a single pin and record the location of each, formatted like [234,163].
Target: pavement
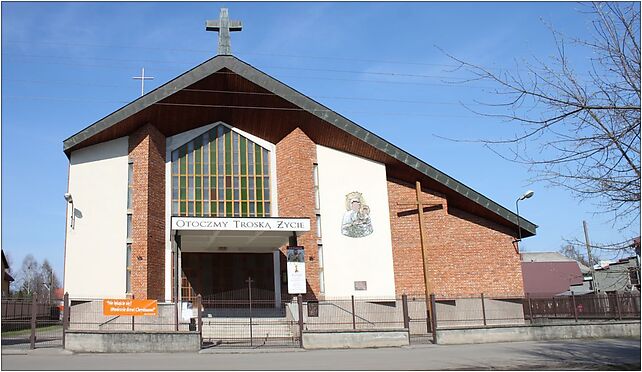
[585,354]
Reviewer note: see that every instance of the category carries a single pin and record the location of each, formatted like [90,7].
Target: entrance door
[225,275]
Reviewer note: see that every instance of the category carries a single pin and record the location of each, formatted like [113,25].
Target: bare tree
[37,280]
[50,280]
[580,131]
[572,251]
[29,277]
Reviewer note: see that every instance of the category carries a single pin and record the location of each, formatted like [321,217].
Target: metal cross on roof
[223,26]
[142,79]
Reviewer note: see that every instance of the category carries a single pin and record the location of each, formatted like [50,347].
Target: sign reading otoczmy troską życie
[241,224]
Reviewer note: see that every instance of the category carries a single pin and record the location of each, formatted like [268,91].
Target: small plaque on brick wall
[361,285]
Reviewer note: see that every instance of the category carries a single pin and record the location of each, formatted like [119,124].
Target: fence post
[483,308]
[132,317]
[299,300]
[433,317]
[34,312]
[354,318]
[574,306]
[199,320]
[530,308]
[619,306]
[176,316]
[404,306]
[65,317]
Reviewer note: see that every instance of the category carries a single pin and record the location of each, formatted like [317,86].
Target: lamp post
[69,199]
[526,195]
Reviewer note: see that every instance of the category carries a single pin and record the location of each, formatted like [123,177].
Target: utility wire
[379,73]
[337,58]
[238,107]
[452,85]
[249,93]
[209,52]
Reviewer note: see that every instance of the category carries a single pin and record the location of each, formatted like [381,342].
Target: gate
[29,324]
[248,318]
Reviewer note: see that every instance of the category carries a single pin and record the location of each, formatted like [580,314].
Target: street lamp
[69,199]
[526,195]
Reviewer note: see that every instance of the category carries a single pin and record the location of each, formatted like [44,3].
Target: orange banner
[130,307]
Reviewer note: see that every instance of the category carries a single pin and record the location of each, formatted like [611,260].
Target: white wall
[95,251]
[346,259]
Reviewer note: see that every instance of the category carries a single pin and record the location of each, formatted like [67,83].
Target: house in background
[6,277]
[620,276]
[548,274]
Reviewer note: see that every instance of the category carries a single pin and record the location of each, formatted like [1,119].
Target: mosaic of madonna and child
[356,220]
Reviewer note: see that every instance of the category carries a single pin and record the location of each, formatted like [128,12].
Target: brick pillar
[295,158]
[147,151]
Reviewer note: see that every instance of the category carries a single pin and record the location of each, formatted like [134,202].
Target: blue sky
[66,65]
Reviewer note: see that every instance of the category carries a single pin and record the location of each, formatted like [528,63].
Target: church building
[224,174]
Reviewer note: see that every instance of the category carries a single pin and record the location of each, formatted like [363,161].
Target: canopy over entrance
[236,234]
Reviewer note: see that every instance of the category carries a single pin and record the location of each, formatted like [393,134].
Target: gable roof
[551,257]
[303,102]
[550,278]
[544,257]
[5,263]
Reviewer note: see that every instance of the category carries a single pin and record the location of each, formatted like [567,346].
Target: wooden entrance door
[218,273]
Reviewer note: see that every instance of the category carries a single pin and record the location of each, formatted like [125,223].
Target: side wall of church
[95,247]
[295,158]
[467,254]
[357,245]
[147,152]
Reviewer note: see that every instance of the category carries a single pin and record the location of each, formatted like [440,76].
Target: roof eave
[284,91]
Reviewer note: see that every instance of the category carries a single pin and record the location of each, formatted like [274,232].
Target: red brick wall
[295,158]
[467,254]
[147,151]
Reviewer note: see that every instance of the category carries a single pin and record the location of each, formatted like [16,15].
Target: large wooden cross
[224,26]
[420,205]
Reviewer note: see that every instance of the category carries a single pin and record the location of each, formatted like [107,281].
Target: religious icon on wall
[295,254]
[356,220]
[296,270]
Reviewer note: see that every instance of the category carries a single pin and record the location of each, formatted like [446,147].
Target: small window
[633,276]
[318,225]
[317,200]
[128,272]
[129,226]
[130,181]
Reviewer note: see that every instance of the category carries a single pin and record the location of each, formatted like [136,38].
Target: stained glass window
[221,174]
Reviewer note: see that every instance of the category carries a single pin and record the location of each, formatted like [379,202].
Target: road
[568,354]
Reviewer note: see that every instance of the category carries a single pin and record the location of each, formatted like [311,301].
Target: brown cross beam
[419,204]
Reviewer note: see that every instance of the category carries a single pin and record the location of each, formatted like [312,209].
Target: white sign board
[296,270]
[241,224]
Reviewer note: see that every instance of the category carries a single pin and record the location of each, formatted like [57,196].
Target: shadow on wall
[101,151]
[481,221]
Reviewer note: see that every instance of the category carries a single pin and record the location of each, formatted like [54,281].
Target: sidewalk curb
[249,351]
[14,352]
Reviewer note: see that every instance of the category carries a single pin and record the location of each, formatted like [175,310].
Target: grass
[27,331]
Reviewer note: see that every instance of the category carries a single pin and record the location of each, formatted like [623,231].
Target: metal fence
[487,311]
[478,311]
[257,318]
[86,314]
[28,324]
[245,318]
[593,306]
